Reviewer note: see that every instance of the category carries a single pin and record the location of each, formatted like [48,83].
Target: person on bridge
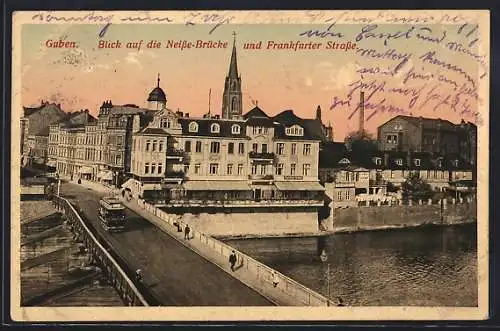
[186,232]
[276,279]
[138,275]
[232,260]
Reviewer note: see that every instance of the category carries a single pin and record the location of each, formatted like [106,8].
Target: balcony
[261,177]
[245,203]
[377,182]
[261,156]
[174,174]
[175,153]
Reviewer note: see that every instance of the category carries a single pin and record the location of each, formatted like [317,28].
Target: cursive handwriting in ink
[328,32]
[369,32]
[204,18]
[430,57]
[389,54]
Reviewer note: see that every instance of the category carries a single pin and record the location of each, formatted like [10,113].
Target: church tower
[232,106]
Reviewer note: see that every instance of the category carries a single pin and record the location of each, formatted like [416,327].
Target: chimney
[362,111]
[318,113]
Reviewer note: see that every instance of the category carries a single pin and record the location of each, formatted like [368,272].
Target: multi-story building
[419,134]
[34,131]
[181,160]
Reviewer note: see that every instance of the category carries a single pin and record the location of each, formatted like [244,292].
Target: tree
[415,188]
[360,143]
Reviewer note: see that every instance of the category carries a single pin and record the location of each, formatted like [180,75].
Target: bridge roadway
[175,275]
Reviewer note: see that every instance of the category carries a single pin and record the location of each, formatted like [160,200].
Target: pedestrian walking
[340,302]
[138,275]
[276,279]
[186,232]
[232,260]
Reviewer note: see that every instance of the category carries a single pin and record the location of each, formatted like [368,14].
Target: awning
[52,164]
[128,184]
[299,186]
[209,185]
[105,175]
[85,170]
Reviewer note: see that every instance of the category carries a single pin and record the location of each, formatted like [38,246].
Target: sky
[433,81]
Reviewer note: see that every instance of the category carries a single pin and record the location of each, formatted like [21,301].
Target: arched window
[234,103]
[235,129]
[215,128]
[193,127]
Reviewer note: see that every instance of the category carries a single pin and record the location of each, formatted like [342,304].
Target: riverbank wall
[400,216]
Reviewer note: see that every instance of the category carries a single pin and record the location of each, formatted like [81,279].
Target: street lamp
[324,258]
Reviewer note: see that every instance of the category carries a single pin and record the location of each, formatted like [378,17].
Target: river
[431,266]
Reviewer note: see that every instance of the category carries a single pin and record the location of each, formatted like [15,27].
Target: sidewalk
[276,295]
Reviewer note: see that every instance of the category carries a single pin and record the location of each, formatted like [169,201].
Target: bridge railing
[119,279]
[296,292]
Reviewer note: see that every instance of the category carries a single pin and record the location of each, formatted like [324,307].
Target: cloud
[328,76]
[132,58]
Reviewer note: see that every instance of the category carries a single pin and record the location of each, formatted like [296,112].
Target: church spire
[233,66]
[232,98]
[158,81]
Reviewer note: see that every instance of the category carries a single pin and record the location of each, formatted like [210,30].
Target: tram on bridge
[112,214]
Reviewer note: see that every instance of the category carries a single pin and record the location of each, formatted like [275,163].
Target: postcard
[250,165]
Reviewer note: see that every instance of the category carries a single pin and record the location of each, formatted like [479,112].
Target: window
[215,128]
[214,147]
[295,130]
[254,169]
[279,169]
[230,148]
[193,127]
[198,147]
[280,148]
[263,169]
[264,148]
[240,169]
[377,160]
[153,168]
[392,138]
[399,162]
[306,169]
[339,195]
[348,195]
[214,168]
[241,148]
[417,162]
[148,143]
[294,148]
[187,146]
[292,169]
[160,168]
[186,168]
[160,146]
[197,167]
[255,147]
[440,163]
[229,169]
[307,149]
[154,146]
[163,123]
[146,168]
[235,129]
[118,160]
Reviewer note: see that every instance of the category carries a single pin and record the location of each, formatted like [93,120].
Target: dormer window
[399,162]
[235,129]
[455,163]
[416,162]
[215,128]
[440,163]
[294,130]
[377,160]
[344,161]
[193,127]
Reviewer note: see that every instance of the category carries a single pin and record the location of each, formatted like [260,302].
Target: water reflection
[435,266]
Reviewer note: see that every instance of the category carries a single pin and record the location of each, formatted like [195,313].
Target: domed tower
[157,99]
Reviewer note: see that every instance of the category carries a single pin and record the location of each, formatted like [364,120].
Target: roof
[157,131]
[287,117]
[204,127]
[315,128]
[157,94]
[255,112]
[428,123]
[127,110]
